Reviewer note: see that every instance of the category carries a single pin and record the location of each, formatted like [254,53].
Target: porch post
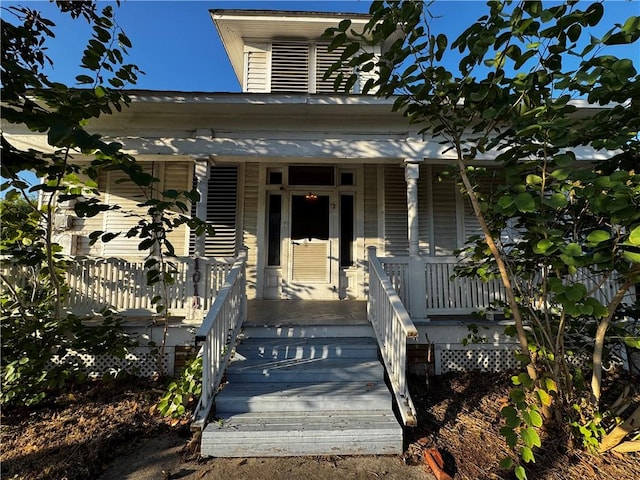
[417,279]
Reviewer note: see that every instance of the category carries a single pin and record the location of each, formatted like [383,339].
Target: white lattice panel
[472,359]
[141,363]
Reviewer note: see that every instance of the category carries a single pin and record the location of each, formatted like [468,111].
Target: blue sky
[176,43]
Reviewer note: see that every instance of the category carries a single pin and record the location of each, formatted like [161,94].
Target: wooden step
[301,397]
[287,348]
[305,370]
[309,331]
[304,390]
[303,433]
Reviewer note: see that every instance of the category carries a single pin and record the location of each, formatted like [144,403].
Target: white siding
[127,195]
[256,68]
[178,176]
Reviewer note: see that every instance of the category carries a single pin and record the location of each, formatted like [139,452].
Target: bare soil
[108,431]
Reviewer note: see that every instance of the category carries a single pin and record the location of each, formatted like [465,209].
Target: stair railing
[393,327]
[218,332]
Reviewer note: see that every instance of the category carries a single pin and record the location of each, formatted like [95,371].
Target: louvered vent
[221,212]
[289,67]
[324,60]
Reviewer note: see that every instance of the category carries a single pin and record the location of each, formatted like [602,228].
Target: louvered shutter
[222,193]
[289,67]
[445,228]
[324,60]
[395,211]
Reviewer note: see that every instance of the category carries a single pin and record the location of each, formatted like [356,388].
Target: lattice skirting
[484,360]
[140,362]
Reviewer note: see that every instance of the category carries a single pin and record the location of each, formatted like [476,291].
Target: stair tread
[315,389]
[301,363]
[330,421]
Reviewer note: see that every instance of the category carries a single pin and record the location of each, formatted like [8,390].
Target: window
[273,227]
[306,175]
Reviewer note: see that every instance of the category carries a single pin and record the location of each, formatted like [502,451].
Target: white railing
[95,283]
[447,293]
[218,333]
[393,327]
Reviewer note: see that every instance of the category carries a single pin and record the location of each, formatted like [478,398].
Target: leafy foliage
[183,392]
[35,326]
[559,228]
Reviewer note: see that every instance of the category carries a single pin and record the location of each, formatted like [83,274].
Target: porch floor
[279,313]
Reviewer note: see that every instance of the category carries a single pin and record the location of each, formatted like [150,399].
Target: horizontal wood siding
[257,67]
[82,227]
[250,223]
[178,176]
[370,207]
[127,195]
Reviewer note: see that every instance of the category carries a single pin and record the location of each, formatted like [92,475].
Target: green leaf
[598,236]
[527,455]
[525,203]
[506,463]
[558,200]
[535,419]
[573,250]
[520,473]
[517,395]
[634,236]
[509,435]
[530,437]
[533,179]
[544,397]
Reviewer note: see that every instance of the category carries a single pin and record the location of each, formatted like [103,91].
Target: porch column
[417,279]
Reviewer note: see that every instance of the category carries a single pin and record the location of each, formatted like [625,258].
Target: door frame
[271,280]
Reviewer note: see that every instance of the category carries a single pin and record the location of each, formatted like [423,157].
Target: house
[321,196]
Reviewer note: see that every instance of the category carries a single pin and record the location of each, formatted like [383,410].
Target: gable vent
[289,67]
[324,60]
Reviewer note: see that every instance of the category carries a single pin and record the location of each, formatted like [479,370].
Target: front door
[312,266]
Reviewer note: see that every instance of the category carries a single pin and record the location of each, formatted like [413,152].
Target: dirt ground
[107,432]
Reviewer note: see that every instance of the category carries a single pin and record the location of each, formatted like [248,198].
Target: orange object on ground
[436,463]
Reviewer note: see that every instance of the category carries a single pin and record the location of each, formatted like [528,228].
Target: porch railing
[219,332]
[393,327]
[449,294]
[95,283]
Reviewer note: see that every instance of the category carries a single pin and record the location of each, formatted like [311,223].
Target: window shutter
[222,192]
[443,197]
[395,211]
[289,67]
[324,60]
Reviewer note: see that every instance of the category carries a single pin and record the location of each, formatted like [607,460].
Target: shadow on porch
[277,313]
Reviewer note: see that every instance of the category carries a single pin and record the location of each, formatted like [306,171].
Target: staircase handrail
[393,327]
[219,332]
